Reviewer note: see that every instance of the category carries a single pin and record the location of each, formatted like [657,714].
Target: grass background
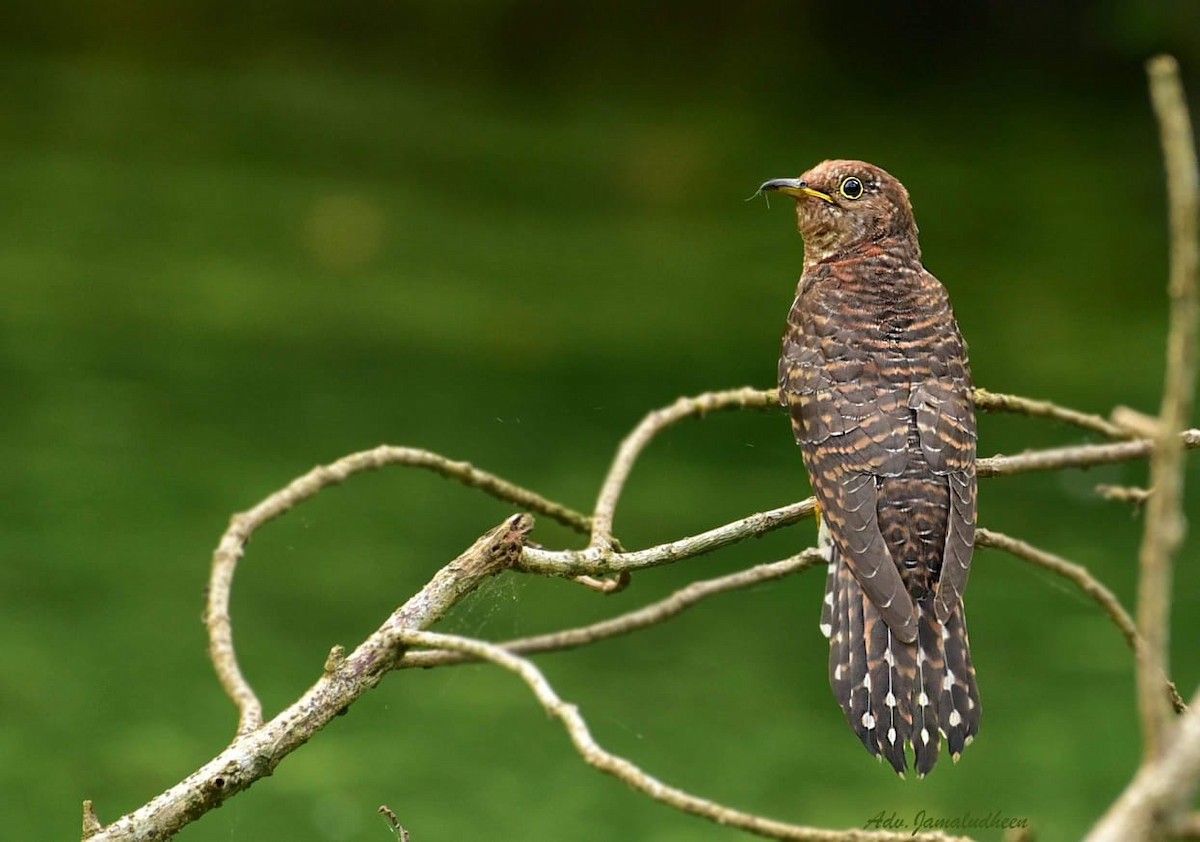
[234,246]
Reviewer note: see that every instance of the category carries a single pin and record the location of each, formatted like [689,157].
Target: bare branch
[1078,456]
[256,753]
[1076,573]
[389,815]
[232,544]
[997,402]
[649,615]
[650,426]
[625,770]
[1139,424]
[91,824]
[600,584]
[1164,526]
[1091,586]
[594,560]
[1130,494]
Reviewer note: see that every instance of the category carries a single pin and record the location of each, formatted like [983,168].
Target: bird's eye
[851,188]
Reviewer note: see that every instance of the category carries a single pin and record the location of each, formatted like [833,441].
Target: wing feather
[851,433]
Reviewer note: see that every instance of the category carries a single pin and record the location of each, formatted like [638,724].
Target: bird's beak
[794,187]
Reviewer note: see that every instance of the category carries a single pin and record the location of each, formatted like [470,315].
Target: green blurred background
[239,240]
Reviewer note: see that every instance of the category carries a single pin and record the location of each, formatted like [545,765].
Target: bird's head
[843,205]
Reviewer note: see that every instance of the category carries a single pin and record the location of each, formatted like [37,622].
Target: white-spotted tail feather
[899,697]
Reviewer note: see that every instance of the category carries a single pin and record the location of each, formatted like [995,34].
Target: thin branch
[594,560]
[1076,573]
[1090,585]
[1139,424]
[232,544]
[255,754]
[626,771]
[599,584]
[1164,527]
[649,615]
[1130,494]
[389,816]
[650,426]
[1017,405]
[1077,456]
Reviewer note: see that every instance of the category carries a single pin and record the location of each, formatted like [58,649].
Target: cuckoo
[874,374]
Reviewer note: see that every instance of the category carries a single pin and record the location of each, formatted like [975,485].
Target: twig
[232,544]
[1164,526]
[593,560]
[91,824]
[649,615]
[650,426]
[997,402]
[1076,573]
[600,584]
[1089,584]
[389,815]
[1139,424]
[1078,456]
[1132,495]
[255,754]
[625,770]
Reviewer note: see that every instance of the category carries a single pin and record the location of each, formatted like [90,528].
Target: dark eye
[851,188]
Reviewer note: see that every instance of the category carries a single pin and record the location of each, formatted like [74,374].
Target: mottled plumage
[874,374]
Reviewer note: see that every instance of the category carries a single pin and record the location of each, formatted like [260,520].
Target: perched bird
[874,374]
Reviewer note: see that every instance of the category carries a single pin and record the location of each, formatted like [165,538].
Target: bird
[875,376]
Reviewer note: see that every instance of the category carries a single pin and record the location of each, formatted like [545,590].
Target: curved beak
[794,187]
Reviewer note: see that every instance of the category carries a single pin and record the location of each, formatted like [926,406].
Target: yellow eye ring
[851,188]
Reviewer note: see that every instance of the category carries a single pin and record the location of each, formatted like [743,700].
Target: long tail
[894,694]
